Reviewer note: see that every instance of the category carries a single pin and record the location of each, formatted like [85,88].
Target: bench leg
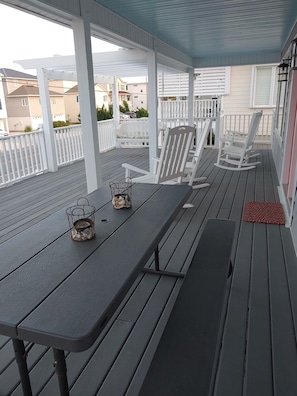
[61,371]
[157,269]
[21,359]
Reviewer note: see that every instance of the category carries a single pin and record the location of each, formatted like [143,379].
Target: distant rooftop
[10,73]
[30,90]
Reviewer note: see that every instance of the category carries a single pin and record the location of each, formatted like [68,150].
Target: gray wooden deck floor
[258,354]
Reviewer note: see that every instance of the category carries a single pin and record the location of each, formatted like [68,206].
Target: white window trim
[273,86]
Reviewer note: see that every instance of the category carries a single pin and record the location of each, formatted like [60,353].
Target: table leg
[61,371]
[157,269]
[21,359]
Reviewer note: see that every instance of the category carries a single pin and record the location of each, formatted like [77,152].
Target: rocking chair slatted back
[170,166]
[174,153]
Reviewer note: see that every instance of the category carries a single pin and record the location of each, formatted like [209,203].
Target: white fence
[21,156]
[178,109]
[69,145]
[240,123]
[24,155]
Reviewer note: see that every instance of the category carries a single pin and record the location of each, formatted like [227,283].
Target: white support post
[115,102]
[86,91]
[191,97]
[152,106]
[49,138]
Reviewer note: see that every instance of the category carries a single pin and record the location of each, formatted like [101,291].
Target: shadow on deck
[258,354]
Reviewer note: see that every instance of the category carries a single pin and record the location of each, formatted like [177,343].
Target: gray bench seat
[188,351]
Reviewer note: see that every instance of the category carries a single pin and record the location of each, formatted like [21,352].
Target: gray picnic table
[61,293]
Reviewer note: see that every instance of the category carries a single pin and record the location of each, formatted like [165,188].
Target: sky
[24,36]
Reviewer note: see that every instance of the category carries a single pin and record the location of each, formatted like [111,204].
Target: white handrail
[21,156]
[24,155]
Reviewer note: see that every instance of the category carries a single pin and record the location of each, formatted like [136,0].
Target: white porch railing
[21,156]
[178,109]
[175,113]
[69,145]
[240,123]
[24,155]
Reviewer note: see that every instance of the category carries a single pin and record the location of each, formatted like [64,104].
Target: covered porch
[258,354]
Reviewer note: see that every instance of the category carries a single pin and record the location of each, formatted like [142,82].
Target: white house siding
[138,94]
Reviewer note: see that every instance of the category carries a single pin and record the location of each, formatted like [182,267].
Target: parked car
[131,114]
[3,133]
[124,117]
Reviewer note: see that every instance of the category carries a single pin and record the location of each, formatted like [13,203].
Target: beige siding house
[24,108]
[22,101]
[71,99]
[251,87]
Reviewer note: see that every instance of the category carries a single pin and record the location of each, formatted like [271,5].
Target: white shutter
[209,82]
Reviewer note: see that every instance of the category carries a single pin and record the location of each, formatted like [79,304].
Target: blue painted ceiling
[205,28]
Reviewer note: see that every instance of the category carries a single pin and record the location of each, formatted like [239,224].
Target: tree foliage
[141,112]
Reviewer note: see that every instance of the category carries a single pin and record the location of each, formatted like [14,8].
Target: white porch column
[115,102]
[152,106]
[85,77]
[48,131]
[191,97]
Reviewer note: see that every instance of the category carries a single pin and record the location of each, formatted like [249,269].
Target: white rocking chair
[192,166]
[236,149]
[170,166]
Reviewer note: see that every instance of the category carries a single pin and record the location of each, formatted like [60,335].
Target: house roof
[72,90]
[30,90]
[10,73]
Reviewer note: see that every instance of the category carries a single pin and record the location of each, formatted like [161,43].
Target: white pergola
[105,67]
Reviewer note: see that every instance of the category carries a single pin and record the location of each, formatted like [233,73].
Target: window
[77,99]
[54,101]
[0,105]
[24,101]
[265,86]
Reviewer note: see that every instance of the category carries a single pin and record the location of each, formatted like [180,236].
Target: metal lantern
[81,218]
[283,70]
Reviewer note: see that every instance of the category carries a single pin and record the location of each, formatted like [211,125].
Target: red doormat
[264,212]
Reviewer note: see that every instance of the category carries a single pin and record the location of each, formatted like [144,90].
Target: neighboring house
[123,93]
[3,112]
[71,99]
[24,108]
[22,101]
[138,95]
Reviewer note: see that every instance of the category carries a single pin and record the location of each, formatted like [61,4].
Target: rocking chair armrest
[129,168]
[235,133]
[232,139]
[232,135]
